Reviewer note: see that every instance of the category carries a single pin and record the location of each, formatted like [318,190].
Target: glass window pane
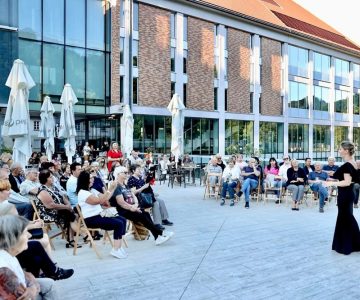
[53,69]
[8,13]
[159,134]
[75,22]
[185,29]
[172,26]
[53,21]
[148,132]
[325,99]
[122,51]
[135,90]
[30,19]
[122,13]
[138,133]
[172,59]
[75,71]
[185,61]
[8,50]
[135,16]
[95,25]
[135,50]
[325,67]
[95,77]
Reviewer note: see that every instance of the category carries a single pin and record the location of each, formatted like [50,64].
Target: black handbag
[146,200]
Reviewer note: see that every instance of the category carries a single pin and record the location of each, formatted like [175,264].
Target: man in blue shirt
[330,168]
[314,179]
[251,175]
[71,184]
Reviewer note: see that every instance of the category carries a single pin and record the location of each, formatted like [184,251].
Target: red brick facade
[200,69]
[154,57]
[115,54]
[271,103]
[238,93]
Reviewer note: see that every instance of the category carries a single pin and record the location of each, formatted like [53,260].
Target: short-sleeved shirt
[27,186]
[125,192]
[71,185]
[88,210]
[250,170]
[330,168]
[321,175]
[113,154]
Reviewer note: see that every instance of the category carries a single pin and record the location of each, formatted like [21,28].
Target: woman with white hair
[14,240]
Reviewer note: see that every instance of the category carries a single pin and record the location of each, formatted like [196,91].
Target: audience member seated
[14,177]
[30,187]
[315,178]
[220,162]
[230,177]
[53,207]
[14,240]
[330,168]
[22,204]
[308,167]
[91,209]
[295,183]
[213,168]
[66,173]
[127,206]
[251,175]
[103,170]
[272,178]
[71,184]
[56,178]
[135,159]
[240,163]
[159,210]
[187,159]
[98,184]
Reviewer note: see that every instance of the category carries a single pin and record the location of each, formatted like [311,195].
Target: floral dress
[46,214]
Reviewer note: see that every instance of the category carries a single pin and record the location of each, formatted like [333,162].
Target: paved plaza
[266,252]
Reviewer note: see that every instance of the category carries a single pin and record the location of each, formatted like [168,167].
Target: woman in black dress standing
[346,235]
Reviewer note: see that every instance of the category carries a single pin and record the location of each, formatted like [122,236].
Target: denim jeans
[228,187]
[356,192]
[247,186]
[323,192]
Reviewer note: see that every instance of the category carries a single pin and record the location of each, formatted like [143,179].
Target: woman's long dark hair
[269,165]
[83,182]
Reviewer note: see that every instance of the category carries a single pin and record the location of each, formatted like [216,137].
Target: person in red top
[114,154]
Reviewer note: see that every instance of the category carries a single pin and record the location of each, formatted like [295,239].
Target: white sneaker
[118,253]
[123,251]
[161,239]
[168,233]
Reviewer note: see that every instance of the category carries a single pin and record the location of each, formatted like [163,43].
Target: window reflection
[53,21]
[75,22]
[30,19]
[95,25]
[299,140]
[298,61]
[95,77]
[238,134]
[75,71]
[298,95]
[321,142]
[271,138]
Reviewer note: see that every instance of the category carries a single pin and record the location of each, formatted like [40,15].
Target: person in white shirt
[14,240]
[231,178]
[91,209]
[135,159]
[30,187]
[71,184]
[283,172]
[240,162]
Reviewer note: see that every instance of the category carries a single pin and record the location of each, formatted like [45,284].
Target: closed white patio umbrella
[67,121]
[17,119]
[47,126]
[176,107]
[127,130]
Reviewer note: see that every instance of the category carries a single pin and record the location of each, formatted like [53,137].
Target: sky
[342,15]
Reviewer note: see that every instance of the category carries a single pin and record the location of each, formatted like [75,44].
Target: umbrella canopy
[176,107]
[47,126]
[17,119]
[67,121]
[127,130]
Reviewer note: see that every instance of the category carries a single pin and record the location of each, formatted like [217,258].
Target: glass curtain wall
[298,96]
[341,101]
[271,139]
[321,98]
[238,134]
[152,133]
[321,67]
[341,134]
[356,140]
[201,136]
[70,43]
[342,68]
[298,61]
[298,141]
[321,142]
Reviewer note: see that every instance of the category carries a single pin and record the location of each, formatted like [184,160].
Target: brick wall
[154,56]
[200,69]
[271,78]
[238,72]
[115,54]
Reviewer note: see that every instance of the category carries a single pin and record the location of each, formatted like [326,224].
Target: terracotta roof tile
[286,14]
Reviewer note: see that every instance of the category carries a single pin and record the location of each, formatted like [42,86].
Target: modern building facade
[256,76]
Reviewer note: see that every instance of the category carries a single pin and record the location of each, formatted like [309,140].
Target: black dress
[346,235]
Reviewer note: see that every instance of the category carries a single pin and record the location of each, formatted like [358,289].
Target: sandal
[70,244]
